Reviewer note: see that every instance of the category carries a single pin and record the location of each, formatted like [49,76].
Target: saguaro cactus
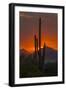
[39,53]
[36,46]
[43,56]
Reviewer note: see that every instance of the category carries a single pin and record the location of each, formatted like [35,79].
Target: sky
[29,26]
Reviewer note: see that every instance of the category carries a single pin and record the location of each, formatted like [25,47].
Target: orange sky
[29,27]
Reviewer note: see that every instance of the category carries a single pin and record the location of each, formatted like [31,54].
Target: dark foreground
[30,68]
[29,65]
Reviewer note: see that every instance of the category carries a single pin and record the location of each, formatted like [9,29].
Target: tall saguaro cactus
[39,33]
[39,43]
[36,45]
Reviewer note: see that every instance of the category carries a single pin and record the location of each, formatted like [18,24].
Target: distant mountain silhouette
[24,52]
[50,53]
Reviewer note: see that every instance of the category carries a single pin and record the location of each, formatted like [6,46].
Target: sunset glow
[29,27]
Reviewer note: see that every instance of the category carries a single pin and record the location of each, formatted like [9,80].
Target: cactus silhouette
[37,46]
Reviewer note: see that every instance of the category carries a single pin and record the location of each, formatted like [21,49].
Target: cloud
[26,16]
